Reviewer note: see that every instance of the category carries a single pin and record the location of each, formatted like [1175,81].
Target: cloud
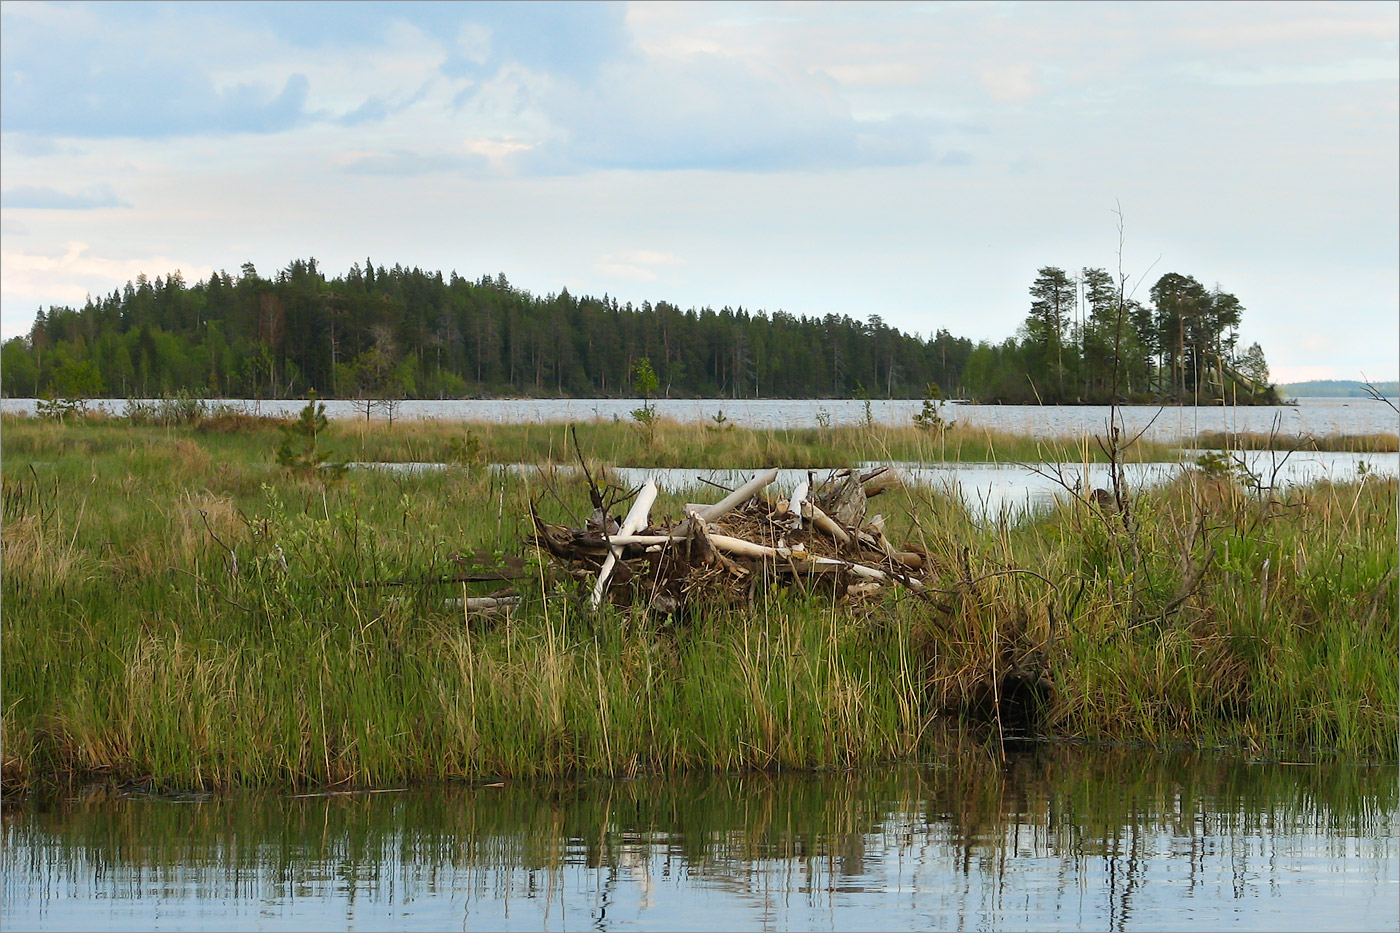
[573,39]
[135,97]
[714,112]
[407,163]
[1010,84]
[86,199]
[1302,373]
[38,147]
[139,71]
[1339,72]
[635,265]
[70,276]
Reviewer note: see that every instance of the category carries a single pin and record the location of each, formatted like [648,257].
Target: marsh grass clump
[181,610]
[1380,443]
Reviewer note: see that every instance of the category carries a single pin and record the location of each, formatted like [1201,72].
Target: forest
[380,332]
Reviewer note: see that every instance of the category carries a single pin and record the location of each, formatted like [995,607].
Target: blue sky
[915,161]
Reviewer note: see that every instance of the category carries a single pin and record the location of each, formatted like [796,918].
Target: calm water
[992,489]
[1316,416]
[1058,838]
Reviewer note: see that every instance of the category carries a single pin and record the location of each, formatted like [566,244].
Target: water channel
[993,490]
[1054,837]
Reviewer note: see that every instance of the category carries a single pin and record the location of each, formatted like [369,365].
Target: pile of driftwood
[818,537]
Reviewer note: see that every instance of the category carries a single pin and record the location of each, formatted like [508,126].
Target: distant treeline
[395,332]
[1337,388]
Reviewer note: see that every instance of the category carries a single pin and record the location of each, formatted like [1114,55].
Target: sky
[916,161]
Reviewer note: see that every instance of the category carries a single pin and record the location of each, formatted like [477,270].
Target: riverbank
[181,610]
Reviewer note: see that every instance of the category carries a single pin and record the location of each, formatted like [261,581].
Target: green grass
[132,651]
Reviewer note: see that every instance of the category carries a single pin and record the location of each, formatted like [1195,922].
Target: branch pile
[818,537]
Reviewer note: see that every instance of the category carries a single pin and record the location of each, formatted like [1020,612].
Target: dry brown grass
[197,515]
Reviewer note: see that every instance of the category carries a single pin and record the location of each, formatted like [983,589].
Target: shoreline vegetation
[191,604]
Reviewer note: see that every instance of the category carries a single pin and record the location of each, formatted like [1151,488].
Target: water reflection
[1058,837]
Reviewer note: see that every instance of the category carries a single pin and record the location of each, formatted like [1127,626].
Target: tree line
[378,332]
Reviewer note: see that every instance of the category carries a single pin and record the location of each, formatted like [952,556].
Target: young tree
[1254,367]
[645,381]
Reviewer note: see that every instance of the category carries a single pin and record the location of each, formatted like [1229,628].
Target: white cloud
[635,265]
[645,257]
[1338,72]
[69,276]
[618,270]
[44,198]
[1010,84]
[1304,373]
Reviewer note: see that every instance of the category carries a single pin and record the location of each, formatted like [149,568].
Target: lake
[1319,416]
[1057,836]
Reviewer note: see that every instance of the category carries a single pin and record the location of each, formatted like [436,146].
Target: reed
[181,611]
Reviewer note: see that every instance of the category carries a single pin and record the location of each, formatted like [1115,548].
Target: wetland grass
[703,446]
[1262,440]
[181,611]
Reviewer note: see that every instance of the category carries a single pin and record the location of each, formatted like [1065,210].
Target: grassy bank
[180,609]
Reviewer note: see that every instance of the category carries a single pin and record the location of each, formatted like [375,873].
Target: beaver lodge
[818,537]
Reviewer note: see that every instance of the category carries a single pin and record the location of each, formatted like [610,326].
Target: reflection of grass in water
[131,652]
[754,830]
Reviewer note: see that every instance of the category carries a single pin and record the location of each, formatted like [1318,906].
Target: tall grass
[181,611]
[677,444]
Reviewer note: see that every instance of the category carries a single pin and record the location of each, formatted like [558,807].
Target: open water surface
[992,490]
[1320,416]
[1059,837]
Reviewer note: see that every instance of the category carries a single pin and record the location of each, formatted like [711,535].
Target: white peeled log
[480,603]
[744,548]
[732,545]
[868,588]
[732,501]
[647,540]
[799,496]
[824,522]
[876,527]
[635,521]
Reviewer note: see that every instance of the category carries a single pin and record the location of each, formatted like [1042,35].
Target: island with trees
[381,332]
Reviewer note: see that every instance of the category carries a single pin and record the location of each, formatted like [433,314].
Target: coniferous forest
[378,332]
